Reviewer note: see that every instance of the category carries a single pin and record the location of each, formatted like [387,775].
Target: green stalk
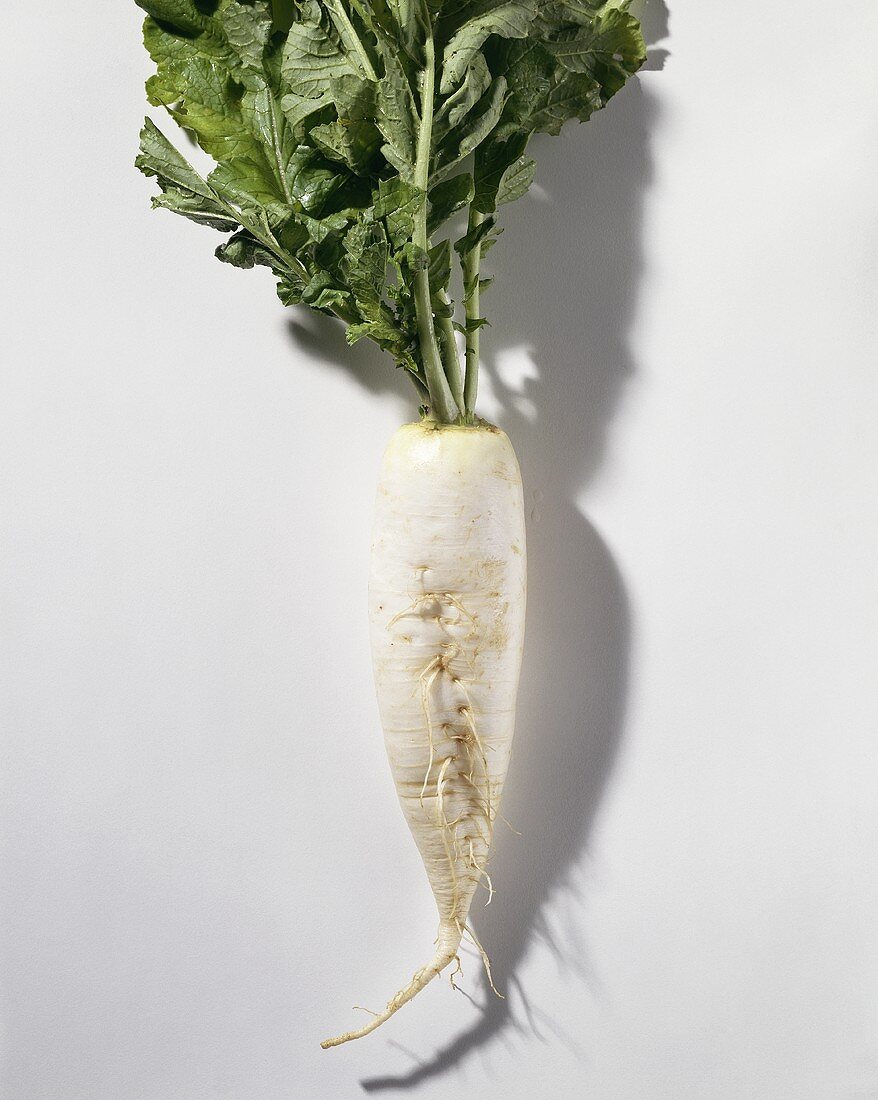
[441,401]
[420,384]
[448,348]
[471,265]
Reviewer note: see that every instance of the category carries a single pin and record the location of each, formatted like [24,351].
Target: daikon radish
[446,603]
[347,135]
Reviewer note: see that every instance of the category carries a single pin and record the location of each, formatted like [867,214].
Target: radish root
[450,936]
[468,762]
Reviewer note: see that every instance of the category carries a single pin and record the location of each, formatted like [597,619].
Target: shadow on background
[567,272]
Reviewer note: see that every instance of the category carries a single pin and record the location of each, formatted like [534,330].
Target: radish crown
[346,134]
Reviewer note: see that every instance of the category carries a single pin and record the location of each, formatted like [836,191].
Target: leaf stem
[442,402]
[276,148]
[448,347]
[471,266]
[420,384]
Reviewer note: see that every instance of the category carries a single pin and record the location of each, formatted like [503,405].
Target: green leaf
[212,110]
[502,172]
[196,208]
[609,49]
[385,334]
[365,270]
[507,18]
[578,56]
[353,40]
[414,259]
[321,292]
[289,290]
[396,204]
[439,267]
[352,138]
[313,54]
[472,132]
[171,49]
[186,193]
[473,324]
[475,236]
[456,107]
[246,28]
[158,157]
[300,111]
[397,116]
[413,23]
[516,180]
[321,229]
[283,12]
[447,198]
[293,237]
[312,179]
[266,119]
[241,181]
[243,250]
[182,14]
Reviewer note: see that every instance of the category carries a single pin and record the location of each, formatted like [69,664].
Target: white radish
[447,603]
[347,188]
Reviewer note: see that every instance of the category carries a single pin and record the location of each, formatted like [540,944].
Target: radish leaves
[333,169]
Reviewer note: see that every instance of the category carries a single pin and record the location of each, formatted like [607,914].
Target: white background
[204,866]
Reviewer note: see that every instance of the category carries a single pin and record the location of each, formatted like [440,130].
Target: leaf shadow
[567,292]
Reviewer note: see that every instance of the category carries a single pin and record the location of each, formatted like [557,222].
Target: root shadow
[567,292]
